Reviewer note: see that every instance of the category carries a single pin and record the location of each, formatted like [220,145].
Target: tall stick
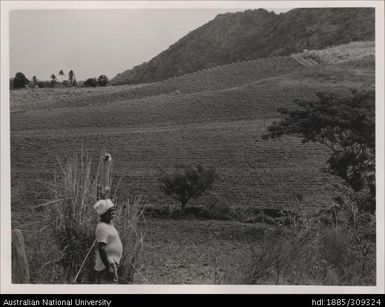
[105,180]
[84,261]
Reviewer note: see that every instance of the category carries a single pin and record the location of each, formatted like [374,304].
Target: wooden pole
[20,267]
[104,184]
[105,179]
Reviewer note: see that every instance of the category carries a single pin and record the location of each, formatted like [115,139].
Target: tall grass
[74,221]
[128,216]
[334,247]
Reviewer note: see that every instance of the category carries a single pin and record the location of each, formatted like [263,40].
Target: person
[109,246]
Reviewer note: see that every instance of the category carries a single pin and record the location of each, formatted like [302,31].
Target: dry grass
[128,216]
[342,53]
[335,247]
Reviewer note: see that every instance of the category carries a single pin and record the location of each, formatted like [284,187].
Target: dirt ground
[196,252]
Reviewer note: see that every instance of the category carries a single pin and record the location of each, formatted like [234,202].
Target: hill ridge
[256,34]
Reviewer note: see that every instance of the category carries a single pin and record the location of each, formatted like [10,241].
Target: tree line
[21,81]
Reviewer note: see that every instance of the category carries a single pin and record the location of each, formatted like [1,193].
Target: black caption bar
[363,300]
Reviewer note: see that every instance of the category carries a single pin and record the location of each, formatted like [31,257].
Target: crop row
[254,101]
[252,173]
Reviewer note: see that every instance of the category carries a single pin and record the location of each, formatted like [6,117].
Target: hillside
[254,34]
[215,117]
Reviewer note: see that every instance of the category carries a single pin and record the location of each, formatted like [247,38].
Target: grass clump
[74,221]
[333,247]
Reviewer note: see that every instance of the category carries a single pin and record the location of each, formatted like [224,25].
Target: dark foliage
[53,80]
[90,82]
[102,80]
[346,125]
[20,80]
[45,84]
[71,75]
[35,80]
[187,182]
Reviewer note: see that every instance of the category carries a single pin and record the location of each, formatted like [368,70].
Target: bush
[45,84]
[102,80]
[90,82]
[187,182]
[20,81]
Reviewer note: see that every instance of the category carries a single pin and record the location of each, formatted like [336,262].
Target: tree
[35,81]
[90,82]
[71,77]
[102,80]
[187,182]
[61,73]
[20,80]
[53,79]
[346,125]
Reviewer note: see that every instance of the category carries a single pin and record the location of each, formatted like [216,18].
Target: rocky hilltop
[254,34]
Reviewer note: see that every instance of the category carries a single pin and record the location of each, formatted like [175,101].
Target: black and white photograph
[216,144]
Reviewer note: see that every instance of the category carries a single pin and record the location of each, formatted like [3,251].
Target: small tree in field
[53,79]
[346,125]
[34,80]
[71,77]
[90,82]
[102,80]
[187,182]
[20,80]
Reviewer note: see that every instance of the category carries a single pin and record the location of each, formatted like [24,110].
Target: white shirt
[107,233]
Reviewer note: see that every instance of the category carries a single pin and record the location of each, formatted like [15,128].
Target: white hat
[103,205]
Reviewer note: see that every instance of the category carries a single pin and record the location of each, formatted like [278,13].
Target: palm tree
[61,73]
[71,77]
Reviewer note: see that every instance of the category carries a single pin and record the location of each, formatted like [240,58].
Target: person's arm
[103,256]
[103,253]
[102,234]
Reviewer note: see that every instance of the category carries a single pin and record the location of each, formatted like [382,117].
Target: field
[214,117]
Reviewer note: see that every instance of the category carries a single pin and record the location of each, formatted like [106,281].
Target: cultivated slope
[214,117]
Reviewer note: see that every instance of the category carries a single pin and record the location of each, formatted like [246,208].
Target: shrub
[187,182]
[20,80]
[102,80]
[45,84]
[90,82]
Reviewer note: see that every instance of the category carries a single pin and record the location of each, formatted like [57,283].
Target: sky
[96,42]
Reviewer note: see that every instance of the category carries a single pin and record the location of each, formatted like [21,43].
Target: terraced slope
[214,79]
[220,128]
